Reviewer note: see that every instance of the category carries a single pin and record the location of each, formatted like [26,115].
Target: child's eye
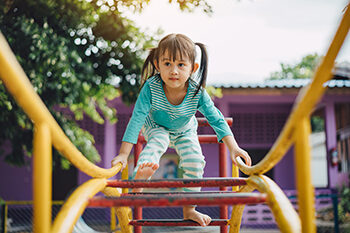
[181,65]
[167,63]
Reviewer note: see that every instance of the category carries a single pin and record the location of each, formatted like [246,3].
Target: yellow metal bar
[303,177]
[235,173]
[237,212]
[76,204]
[112,192]
[42,177]
[57,202]
[124,213]
[113,220]
[285,215]
[125,176]
[125,216]
[5,217]
[21,89]
[306,101]
[31,202]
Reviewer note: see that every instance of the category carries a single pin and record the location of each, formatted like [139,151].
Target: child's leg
[148,163]
[192,162]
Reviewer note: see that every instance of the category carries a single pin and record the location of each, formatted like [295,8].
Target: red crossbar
[202,121]
[179,200]
[205,139]
[172,193]
[176,183]
[175,222]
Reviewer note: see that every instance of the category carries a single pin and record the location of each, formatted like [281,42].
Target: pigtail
[148,68]
[203,69]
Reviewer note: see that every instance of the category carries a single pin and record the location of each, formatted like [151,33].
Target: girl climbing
[170,96]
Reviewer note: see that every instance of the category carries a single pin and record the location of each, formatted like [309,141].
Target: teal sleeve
[139,114]
[214,116]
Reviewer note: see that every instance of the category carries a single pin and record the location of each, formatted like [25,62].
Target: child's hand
[238,152]
[121,158]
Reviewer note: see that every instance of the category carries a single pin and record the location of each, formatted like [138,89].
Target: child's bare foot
[191,213]
[145,171]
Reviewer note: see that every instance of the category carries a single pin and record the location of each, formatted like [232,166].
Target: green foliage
[191,5]
[69,66]
[302,70]
[214,92]
[317,124]
[344,204]
[77,55]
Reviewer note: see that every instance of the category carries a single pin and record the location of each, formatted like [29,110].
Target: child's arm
[139,114]
[235,150]
[123,155]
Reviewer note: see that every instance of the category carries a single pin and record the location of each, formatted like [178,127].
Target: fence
[18,215]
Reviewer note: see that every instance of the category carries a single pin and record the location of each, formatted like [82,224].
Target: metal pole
[303,176]
[137,210]
[223,173]
[42,178]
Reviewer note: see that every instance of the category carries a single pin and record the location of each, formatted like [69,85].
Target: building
[259,112]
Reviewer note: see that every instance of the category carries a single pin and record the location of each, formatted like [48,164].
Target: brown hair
[176,44]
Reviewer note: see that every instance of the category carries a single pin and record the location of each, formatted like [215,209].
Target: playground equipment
[48,133]
[203,139]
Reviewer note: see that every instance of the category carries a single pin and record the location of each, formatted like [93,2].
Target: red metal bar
[176,183]
[138,149]
[223,163]
[172,193]
[208,139]
[141,140]
[179,200]
[202,138]
[223,173]
[205,139]
[175,222]
[138,210]
[204,122]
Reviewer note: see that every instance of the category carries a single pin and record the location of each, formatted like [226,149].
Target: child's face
[175,73]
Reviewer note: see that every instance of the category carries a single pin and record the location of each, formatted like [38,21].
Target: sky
[248,39]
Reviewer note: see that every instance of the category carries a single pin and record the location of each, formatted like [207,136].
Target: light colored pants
[186,145]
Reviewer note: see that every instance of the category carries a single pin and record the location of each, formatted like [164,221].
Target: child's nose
[174,70]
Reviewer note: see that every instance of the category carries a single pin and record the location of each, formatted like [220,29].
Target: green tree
[302,70]
[78,54]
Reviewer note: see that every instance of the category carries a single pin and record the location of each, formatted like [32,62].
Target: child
[165,110]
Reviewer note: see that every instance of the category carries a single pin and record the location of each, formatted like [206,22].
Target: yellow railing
[47,133]
[297,131]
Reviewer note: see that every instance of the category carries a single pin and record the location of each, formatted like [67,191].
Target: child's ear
[155,62]
[195,67]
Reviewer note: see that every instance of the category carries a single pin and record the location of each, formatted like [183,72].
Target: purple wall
[258,120]
[335,178]
[15,183]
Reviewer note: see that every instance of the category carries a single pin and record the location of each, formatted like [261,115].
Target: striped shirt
[153,109]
